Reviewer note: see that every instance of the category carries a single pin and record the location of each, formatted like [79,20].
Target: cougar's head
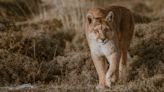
[100,24]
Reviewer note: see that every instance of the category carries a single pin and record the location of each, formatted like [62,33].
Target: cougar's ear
[89,18]
[110,16]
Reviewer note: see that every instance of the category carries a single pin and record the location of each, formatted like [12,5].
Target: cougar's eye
[105,30]
[96,31]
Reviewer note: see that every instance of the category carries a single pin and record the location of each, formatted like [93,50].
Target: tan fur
[109,32]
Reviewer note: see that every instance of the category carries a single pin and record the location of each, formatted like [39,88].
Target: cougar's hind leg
[123,65]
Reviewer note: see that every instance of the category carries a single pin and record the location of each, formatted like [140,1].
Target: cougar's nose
[103,39]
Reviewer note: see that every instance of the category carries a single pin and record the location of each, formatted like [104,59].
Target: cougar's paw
[100,87]
[109,83]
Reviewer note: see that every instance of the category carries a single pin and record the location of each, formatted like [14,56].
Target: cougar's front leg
[113,71]
[99,63]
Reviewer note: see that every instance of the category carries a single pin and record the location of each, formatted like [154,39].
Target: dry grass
[47,46]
